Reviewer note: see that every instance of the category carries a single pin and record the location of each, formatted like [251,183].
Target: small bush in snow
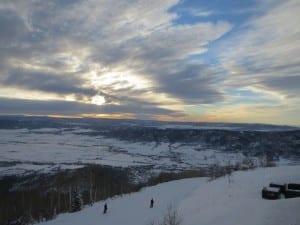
[171,217]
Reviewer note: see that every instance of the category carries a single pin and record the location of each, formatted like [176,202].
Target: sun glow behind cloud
[98,100]
[170,60]
[118,80]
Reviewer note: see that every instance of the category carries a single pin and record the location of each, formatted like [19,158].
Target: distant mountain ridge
[19,121]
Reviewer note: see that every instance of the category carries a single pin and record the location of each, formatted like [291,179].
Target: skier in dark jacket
[151,203]
[105,208]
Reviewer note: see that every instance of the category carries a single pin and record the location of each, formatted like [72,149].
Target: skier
[105,208]
[151,203]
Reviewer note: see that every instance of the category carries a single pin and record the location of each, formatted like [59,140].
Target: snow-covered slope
[217,202]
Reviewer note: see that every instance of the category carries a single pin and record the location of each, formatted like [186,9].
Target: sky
[178,60]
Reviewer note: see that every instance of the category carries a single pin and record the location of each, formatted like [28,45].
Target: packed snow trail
[200,202]
[239,202]
[133,208]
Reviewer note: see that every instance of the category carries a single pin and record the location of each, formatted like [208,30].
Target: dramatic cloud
[194,84]
[14,106]
[157,59]
[266,55]
[47,82]
[64,46]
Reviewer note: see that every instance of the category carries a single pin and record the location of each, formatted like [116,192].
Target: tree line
[40,197]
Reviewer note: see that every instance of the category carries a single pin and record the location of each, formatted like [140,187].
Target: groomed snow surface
[200,202]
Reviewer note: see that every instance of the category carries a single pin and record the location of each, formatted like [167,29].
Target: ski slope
[199,201]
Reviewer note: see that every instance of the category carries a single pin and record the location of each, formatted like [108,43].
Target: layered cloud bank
[179,60]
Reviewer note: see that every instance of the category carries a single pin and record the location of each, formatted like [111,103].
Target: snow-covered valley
[43,145]
[46,162]
[45,150]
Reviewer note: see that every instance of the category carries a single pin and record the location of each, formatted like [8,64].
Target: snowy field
[46,150]
[217,202]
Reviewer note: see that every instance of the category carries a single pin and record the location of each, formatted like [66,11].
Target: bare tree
[151,223]
[171,217]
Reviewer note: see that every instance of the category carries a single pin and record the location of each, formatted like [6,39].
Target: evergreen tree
[76,200]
